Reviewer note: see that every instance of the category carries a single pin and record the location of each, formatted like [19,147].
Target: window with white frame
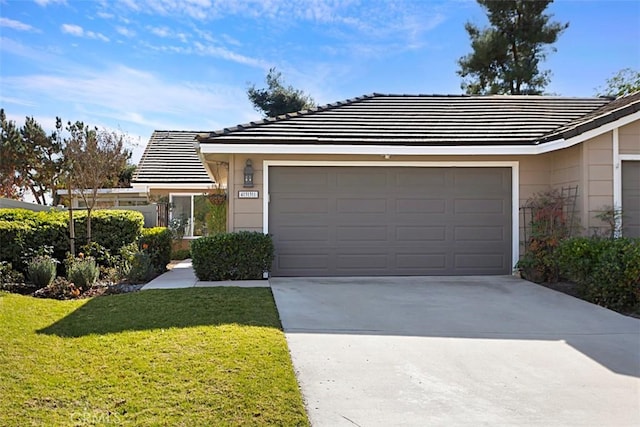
[189,213]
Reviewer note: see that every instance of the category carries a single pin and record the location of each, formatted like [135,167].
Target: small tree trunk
[72,230]
[88,226]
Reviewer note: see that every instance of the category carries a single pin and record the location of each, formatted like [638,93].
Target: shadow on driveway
[457,351]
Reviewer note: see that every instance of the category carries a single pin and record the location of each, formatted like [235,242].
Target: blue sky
[140,65]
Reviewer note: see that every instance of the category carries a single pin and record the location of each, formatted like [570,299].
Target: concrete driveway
[457,351]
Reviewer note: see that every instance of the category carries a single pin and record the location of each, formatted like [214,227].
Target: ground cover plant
[198,356]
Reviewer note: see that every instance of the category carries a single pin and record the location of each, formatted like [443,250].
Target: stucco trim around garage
[515,185]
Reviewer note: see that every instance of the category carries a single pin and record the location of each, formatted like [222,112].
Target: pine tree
[506,55]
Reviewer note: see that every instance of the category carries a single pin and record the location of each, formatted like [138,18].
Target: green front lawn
[198,356]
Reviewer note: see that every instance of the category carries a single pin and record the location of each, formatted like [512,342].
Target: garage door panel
[631,198]
[302,262]
[425,233]
[418,262]
[362,261]
[481,182]
[487,261]
[306,234]
[410,178]
[420,206]
[369,181]
[417,223]
[304,205]
[360,205]
[476,206]
[362,234]
[479,233]
[302,183]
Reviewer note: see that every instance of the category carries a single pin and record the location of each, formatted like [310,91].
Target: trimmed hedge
[13,236]
[608,270]
[113,229]
[156,242]
[243,255]
[21,229]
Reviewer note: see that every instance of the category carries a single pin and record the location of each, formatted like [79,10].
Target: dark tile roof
[414,120]
[608,113]
[171,157]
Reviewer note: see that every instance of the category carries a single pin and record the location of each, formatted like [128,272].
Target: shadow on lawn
[177,308]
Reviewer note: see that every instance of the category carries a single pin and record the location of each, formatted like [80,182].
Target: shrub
[61,288]
[42,270]
[577,257]
[615,280]
[539,263]
[232,256]
[141,270]
[156,242]
[136,265]
[14,236]
[608,270]
[21,229]
[83,272]
[113,229]
[8,274]
[550,221]
[13,281]
[101,255]
[181,254]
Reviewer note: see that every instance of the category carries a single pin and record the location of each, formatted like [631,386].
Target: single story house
[411,184]
[171,173]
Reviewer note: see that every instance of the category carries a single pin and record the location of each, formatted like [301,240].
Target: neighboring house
[172,172]
[411,185]
[108,197]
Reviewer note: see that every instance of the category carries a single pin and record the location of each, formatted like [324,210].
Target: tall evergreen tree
[30,160]
[506,55]
[276,99]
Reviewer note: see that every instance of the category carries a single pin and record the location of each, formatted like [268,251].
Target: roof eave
[622,114]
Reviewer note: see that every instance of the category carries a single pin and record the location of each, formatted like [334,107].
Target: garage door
[375,221]
[631,199]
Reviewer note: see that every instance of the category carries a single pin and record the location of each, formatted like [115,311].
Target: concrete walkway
[183,276]
[457,351]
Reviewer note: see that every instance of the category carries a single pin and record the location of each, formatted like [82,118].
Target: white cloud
[45,3]
[160,31]
[125,31]
[374,27]
[224,53]
[74,30]
[15,25]
[130,97]
[78,31]
[105,15]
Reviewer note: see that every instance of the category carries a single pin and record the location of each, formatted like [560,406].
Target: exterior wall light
[248,174]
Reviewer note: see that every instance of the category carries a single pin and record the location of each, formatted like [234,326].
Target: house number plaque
[247,194]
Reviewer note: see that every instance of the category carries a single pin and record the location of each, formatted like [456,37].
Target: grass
[185,357]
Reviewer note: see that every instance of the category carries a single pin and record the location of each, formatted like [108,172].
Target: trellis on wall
[550,214]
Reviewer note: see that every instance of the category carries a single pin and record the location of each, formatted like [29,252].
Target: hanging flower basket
[218,198]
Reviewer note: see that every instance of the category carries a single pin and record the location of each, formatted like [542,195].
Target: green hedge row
[21,230]
[608,270]
[242,255]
